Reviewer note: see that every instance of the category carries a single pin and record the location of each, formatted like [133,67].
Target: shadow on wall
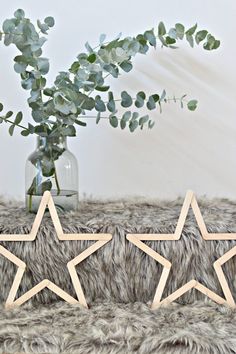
[185,149]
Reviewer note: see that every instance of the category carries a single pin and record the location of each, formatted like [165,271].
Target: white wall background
[184,150]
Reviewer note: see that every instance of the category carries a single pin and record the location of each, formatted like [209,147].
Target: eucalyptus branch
[73,90]
[13,123]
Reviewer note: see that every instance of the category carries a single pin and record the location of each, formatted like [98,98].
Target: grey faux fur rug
[119,280]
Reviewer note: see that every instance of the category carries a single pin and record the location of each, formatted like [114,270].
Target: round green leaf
[99,104]
[133,125]
[92,58]
[126,99]
[151,104]
[126,66]
[113,121]
[192,105]
[19,14]
[25,132]
[49,21]
[20,67]
[8,26]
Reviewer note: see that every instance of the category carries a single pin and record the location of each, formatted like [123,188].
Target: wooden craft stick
[176,294]
[213,296]
[29,294]
[55,218]
[12,257]
[61,293]
[86,237]
[160,287]
[40,213]
[227,256]
[183,215]
[15,285]
[93,248]
[77,285]
[224,284]
[199,218]
[149,251]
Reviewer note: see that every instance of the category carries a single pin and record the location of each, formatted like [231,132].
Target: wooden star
[136,239]
[102,239]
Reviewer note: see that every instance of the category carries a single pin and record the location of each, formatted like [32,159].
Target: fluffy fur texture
[119,280]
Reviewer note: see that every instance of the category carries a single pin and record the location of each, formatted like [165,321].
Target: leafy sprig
[57,110]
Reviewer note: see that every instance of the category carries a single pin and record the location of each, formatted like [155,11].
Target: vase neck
[60,141]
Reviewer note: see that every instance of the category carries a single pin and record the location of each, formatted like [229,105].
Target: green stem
[11,122]
[30,202]
[56,180]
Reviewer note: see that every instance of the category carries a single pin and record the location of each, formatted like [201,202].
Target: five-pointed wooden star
[101,239]
[136,239]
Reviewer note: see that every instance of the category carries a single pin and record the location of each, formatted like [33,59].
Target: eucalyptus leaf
[111,69]
[192,105]
[99,104]
[200,36]
[19,14]
[11,129]
[19,68]
[43,65]
[8,26]
[190,39]
[133,125]
[191,30]
[161,29]
[74,67]
[143,120]
[151,124]
[102,88]
[49,21]
[98,117]
[43,27]
[151,104]
[69,131]
[126,99]
[113,121]
[18,118]
[170,40]
[126,66]
[25,132]
[102,38]
[151,38]
[140,97]
[180,30]
[92,58]
[9,114]
[88,47]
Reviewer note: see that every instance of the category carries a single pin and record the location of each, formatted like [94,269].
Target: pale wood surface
[102,239]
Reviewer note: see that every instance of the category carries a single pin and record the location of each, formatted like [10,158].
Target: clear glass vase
[52,167]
